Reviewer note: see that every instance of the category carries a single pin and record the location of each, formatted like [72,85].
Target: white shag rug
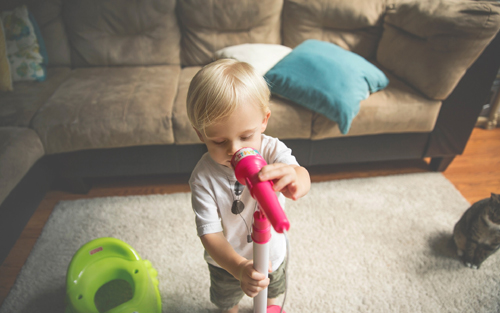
[359,245]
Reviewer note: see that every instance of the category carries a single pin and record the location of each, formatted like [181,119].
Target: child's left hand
[291,180]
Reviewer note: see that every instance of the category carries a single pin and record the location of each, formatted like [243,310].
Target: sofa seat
[19,106]
[20,148]
[398,108]
[109,107]
[288,120]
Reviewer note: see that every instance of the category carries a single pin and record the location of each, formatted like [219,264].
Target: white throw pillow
[262,57]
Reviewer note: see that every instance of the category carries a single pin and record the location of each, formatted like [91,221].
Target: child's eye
[219,142]
[247,137]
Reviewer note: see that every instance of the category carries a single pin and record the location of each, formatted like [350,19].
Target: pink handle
[261,227]
[247,163]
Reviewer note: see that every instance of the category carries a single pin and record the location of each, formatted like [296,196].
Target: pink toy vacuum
[247,162]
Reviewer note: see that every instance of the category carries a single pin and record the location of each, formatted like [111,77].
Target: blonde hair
[219,87]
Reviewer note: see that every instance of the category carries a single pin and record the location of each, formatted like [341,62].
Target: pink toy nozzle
[247,163]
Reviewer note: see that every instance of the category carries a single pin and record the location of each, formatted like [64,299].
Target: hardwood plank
[475,174]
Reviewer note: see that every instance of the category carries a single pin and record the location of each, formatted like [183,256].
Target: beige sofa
[113,103]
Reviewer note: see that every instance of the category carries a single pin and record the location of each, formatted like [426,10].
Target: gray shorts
[225,290]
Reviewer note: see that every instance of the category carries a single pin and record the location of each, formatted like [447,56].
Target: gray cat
[477,233]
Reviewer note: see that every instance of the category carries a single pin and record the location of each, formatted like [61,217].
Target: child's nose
[233,147]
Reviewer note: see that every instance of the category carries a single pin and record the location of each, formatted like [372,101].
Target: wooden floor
[475,174]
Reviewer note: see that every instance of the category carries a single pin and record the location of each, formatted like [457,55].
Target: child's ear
[199,135]
[264,121]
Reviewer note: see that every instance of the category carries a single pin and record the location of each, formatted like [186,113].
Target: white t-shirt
[212,187]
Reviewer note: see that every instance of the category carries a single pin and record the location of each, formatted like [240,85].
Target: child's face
[241,129]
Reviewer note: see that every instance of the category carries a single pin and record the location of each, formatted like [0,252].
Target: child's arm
[292,180]
[251,281]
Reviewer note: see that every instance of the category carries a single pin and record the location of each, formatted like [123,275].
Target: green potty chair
[108,275]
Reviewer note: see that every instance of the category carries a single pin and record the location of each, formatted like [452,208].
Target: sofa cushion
[20,148]
[208,26]
[183,131]
[48,15]
[288,120]
[105,33]
[354,25]
[19,106]
[431,44]
[397,109]
[109,107]
[327,79]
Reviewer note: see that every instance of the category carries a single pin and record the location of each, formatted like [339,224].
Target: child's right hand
[251,281]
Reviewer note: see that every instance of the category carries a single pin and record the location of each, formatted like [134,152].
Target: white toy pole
[261,264]
[261,235]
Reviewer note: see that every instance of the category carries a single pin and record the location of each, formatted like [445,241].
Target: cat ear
[495,197]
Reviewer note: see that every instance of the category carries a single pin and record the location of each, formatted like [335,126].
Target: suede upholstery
[353,25]
[48,14]
[447,36]
[20,148]
[19,106]
[104,33]
[208,26]
[106,107]
[183,131]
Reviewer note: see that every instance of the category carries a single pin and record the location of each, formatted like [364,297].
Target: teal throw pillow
[327,79]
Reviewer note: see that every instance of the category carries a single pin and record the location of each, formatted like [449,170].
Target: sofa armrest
[431,44]
[459,112]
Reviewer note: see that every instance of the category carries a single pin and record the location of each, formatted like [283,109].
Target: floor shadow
[177,302]
[442,256]
[443,246]
[50,300]
[172,303]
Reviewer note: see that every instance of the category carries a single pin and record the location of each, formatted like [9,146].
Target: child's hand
[251,281]
[284,177]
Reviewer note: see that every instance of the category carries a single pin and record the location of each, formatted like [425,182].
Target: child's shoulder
[274,150]
[205,170]
[201,168]
[271,144]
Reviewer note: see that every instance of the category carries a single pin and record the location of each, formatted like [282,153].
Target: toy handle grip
[264,194]
[247,163]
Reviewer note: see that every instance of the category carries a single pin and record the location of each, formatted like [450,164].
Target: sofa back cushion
[48,15]
[208,26]
[355,25]
[431,44]
[117,32]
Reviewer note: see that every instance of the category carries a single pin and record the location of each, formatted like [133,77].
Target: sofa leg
[76,185]
[441,164]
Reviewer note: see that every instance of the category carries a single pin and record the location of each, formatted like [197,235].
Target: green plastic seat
[102,261]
